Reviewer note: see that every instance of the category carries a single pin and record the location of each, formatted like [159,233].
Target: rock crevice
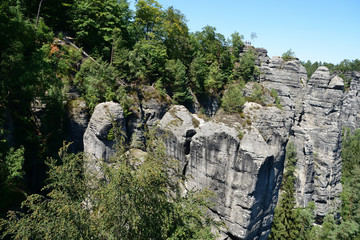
[241,157]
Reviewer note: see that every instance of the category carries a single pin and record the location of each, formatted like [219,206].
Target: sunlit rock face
[98,140]
[243,169]
[316,105]
[241,157]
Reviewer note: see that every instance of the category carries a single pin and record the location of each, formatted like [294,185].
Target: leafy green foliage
[198,72]
[14,162]
[237,44]
[246,69]
[148,18]
[97,81]
[147,60]
[284,224]
[94,23]
[215,80]
[177,80]
[288,55]
[176,36]
[233,99]
[258,93]
[341,68]
[275,95]
[11,177]
[140,199]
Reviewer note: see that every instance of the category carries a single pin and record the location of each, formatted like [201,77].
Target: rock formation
[316,132]
[240,161]
[98,142]
[241,157]
[76,123]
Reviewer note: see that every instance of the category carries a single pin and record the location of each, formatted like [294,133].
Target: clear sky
[316,30]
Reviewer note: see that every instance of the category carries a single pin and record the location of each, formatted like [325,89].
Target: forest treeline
[129,48]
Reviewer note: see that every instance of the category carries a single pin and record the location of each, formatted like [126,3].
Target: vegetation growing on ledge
[288,55]
[122,52]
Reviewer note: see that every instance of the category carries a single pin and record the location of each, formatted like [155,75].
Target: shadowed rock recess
[241,157]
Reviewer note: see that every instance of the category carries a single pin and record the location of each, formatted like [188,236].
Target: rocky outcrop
[350,111]
[240,157]
[147,110]
[77,120]
[99,135]
[316,132]
[240,161]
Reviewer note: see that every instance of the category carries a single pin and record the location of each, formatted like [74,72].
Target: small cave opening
[189,134]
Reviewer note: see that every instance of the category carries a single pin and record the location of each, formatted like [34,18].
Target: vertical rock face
[77,121]
[145,113]
[241,157]
[98,143]
[242,169]
[316,131]
[318,134]
[350,112]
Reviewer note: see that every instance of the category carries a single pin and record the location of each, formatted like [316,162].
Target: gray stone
[244,172]
[76,124]
[241,158]
[97,145]
[337,83]
[315,107]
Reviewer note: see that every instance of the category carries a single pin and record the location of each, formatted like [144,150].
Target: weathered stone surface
[241,159]
[179,126]
[97,145]
[146,112]
[315,131]
[337,83]
[76,123]
[319,131]
[244,173]
[350,111]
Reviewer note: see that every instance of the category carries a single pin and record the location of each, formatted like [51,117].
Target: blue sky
[316,30]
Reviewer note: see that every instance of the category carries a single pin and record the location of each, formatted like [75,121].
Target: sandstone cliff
[241,158]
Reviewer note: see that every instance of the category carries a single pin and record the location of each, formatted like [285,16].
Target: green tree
[288,55]
[198,72]
[253,35]
[11,178]
[147,61]
[28,75]
[176,36]
[97,82]
[246,69]
[237,45]
[140,199]
[177,79]
[94,23]
[285,217]
[60,214]
[233,99]
[215,79]
[211,44]
[149,18]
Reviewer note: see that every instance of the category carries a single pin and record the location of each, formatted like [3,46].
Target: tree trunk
[38,13]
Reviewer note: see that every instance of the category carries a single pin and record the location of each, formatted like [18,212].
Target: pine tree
[285,217]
